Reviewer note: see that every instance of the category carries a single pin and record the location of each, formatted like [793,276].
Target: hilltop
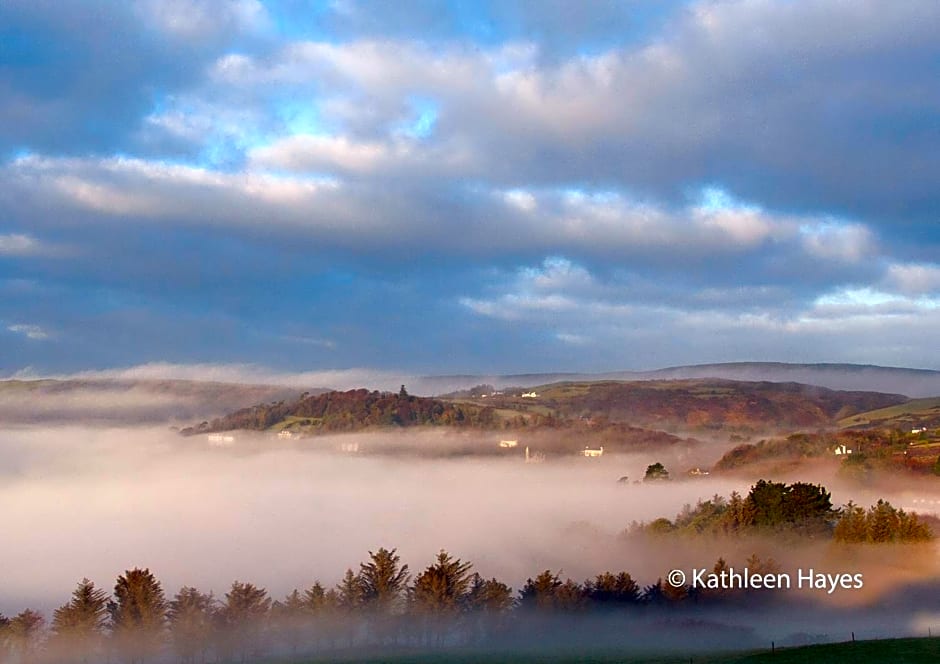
[685,405]
[894,380]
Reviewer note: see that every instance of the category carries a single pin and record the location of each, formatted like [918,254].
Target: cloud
[437,174]
[914,278]
[193,20]
[18,244]
[32,332]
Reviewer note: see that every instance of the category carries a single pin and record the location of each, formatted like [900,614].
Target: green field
[910,412]
[889,651]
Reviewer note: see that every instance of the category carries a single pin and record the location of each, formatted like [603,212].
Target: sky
[467,187]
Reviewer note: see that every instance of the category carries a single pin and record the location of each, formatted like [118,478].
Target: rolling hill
[894,380]
[677,405]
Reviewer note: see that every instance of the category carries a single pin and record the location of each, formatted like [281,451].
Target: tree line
[800,509]
[352,410]
[381,605]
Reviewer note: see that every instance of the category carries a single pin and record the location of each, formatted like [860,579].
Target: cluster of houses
[537,457]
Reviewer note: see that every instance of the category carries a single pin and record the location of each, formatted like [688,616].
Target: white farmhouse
[529,395]
[506,444]
[842,450]
[593,452]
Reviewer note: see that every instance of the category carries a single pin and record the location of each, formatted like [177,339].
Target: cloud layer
[507,187]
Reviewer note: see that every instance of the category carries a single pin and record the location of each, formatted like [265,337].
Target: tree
[24,634]
[570,596]
[4,625]
[809,506]
[613,591]
[852,526]
[383,581]
[491,596]
[138,614]
[441,587]
[655,472]
[764,505]
[486,603]
[349,599]
[190,617]
[245,609]
[539,593]
[78,626]
[438,592]
[883,522]
[290,617]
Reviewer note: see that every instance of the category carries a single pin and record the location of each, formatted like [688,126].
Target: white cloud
[17,244]
[34,332]
[193,20]
[847,242]
[913,278]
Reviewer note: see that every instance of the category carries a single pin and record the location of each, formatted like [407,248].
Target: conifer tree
[441,587]
[383,581]
[539,593]
[190,618]
[291,617]
[138,614]
[491,595]
[78,626]
[852,526]
[438,592]
[245,611]
[24,634]
[4,624]
[610,591]
[487,602]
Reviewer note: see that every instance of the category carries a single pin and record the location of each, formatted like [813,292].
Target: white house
[285,434]
[529,395]
[842,450]
[508,443]
[593,452]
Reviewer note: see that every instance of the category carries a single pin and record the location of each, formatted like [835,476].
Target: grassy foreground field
[893,651]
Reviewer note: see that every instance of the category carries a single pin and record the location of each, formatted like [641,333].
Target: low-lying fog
[92,502]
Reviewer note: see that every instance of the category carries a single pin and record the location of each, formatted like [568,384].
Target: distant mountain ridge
[913,383]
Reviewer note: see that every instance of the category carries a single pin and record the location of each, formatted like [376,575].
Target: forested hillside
[350,411]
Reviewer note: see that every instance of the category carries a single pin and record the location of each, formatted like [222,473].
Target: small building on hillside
[593,452]
[507,444]
[286,435]
[529,395]
[842,450]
